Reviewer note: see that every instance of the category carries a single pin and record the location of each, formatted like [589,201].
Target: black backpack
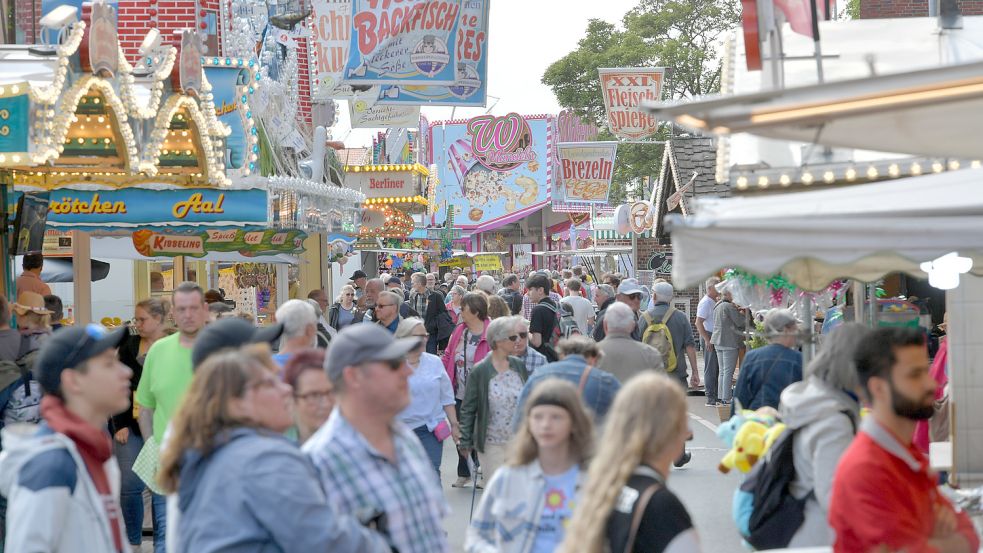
[776,514]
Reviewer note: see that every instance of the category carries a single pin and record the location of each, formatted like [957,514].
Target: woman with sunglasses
[344,311]
[431,410]
[313,392]
[241,485]
[529,501]
[492,397]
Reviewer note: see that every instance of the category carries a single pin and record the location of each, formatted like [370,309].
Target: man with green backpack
[668,330]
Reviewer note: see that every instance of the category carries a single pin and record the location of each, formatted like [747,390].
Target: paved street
[702,488]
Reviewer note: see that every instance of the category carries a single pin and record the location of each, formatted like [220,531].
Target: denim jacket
[599,391]
[509,511]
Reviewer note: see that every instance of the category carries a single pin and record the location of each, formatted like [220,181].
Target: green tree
[680,35]
[852,10]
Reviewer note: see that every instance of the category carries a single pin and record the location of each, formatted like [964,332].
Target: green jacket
[474,408]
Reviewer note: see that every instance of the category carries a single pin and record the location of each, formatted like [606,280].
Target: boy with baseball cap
[60,478]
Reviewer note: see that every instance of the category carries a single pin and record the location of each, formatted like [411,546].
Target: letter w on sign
[673,200]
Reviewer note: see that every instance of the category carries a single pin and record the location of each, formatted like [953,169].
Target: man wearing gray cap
[679,330]
[767,371]
[367,459]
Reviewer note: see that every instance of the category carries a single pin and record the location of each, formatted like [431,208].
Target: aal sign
[586,169]
[624,90]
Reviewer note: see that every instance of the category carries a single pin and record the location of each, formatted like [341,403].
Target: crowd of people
[564,398]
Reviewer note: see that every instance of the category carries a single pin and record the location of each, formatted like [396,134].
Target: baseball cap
[231,333]
[359,274]
[70,346]
[663,291]
[361,343]
[628,288]
[395,280]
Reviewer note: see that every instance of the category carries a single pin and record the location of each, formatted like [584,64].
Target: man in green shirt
[166,376]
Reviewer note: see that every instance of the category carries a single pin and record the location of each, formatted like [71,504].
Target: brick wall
[137,17]
[876,9]
[304,83]
[24,16]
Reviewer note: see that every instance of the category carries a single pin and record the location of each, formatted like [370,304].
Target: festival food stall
[147,155]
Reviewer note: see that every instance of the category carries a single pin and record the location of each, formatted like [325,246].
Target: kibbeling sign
[386,184]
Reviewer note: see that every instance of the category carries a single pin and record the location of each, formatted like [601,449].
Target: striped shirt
[359,479]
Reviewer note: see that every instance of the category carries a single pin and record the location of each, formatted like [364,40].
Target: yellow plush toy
[751,442]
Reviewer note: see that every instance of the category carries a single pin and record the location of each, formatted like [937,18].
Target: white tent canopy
[861,232]
[930,112]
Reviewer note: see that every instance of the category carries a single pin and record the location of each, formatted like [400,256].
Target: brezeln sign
[585,170]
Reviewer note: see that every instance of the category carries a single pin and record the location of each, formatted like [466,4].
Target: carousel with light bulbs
[161,156]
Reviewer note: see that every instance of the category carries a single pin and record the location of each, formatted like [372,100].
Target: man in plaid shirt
[532,358]
[369,462]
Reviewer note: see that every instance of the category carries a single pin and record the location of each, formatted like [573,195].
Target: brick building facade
[879,9]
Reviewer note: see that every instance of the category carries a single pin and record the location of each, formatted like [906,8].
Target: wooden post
[178,272]
[82,281]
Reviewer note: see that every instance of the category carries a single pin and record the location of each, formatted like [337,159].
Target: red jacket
[479,353]
[885,494]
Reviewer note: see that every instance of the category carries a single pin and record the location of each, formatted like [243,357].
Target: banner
[409,42]
[225,83]
[365,113]
[385,184]
[492,170]
[487,262]
[624,89]
[152,243]
[140,207]
[470,86]
[570,128]
[521,256]
[331,30]
[585,170]
[462,262]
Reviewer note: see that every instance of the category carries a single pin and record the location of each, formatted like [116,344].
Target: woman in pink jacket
[466,347]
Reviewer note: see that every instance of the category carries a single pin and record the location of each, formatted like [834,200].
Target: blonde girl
[644,432]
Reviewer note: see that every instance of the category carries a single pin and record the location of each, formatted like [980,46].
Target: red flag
[799,15]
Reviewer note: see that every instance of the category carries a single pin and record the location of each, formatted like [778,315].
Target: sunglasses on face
[392,364]
[523,335]
[513,338]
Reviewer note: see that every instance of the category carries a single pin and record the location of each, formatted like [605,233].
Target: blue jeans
[727,359]
[433,447]
[131,487]
[158,505]
[710,371]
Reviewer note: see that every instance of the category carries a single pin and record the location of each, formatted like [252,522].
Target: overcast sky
[525,37]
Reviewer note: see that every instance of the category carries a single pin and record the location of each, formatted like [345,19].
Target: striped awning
[613,235]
